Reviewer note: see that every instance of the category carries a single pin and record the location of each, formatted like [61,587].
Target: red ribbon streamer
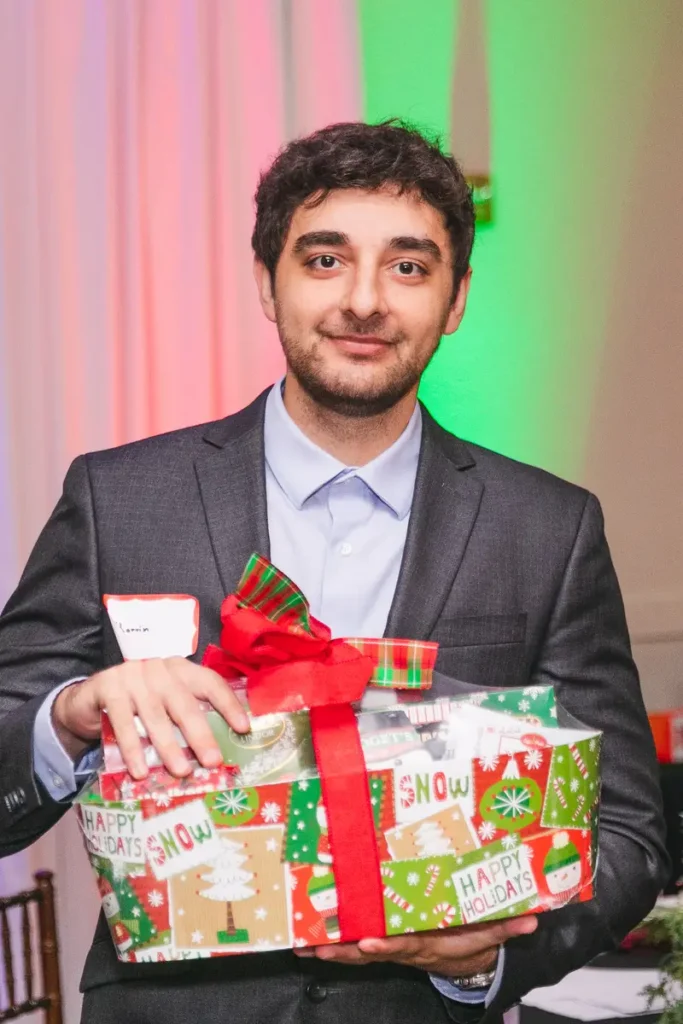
[289,670]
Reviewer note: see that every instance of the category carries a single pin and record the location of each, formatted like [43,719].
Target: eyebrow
[408,243]
[400,243]
[313,239]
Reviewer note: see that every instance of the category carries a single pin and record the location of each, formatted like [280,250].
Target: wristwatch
[473,981]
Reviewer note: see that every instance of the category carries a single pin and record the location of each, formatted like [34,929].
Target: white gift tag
[154,625]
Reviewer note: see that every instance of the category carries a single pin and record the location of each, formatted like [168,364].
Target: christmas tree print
[229,884]
[306,841]
[573,785]
[122,905]
[430,839]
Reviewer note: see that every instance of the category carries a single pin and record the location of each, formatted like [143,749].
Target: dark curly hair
[367,156]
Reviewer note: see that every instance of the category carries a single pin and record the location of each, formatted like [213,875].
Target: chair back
[50,1000]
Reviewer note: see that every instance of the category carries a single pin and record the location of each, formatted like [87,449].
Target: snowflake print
[395,921]
[513,802]
[574,785]
[161,799]
[528,851]
[119,871]
[524,705]
[303,786]
[130,805]
[298,916]
[233,802]
[510,841]
[489,763]
[155,898]
[299,942]
[272,845]
[263,944]
[202,774]
[301,825]
[260,913]
[501,697]
[271,812]
[533,759]
[197,937]
[413,878]
[293,882]
[136,911]
[486,830]
[533,691]
[423,917]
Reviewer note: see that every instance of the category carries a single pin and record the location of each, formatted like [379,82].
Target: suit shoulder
[512,482]
[183,443]
[184,440]
[493,465]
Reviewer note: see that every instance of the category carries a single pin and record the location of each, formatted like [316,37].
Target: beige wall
[634,460]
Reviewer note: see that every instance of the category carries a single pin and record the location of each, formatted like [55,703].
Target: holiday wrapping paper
[456,810]
[466,831]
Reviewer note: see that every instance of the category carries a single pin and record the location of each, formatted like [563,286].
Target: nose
[365,296]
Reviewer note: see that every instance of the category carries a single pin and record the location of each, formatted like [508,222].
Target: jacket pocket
[480,630]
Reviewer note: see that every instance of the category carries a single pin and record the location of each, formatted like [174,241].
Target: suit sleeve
[50,631]
[586,655]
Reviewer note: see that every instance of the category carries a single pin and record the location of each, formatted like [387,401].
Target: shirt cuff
[51,763]
[448,988]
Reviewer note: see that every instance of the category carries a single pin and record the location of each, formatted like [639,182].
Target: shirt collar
[301,468]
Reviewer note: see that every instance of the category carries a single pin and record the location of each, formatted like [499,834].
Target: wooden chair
[51,1000]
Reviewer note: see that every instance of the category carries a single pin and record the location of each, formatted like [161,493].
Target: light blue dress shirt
[339,532]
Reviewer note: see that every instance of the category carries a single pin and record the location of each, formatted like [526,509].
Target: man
[389,525]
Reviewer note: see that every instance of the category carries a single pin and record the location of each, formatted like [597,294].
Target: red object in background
[667,729]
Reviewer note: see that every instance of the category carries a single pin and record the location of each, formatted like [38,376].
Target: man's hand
[162,693]
[455,953]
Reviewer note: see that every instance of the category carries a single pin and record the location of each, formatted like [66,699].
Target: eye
[325,262]
[406,268]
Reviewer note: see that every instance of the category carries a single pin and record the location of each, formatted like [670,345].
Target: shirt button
[316,992]
[345,549]
[57,781]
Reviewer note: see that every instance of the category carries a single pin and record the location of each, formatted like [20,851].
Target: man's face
[363,293]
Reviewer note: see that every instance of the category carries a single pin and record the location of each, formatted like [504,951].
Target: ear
[457,310]
[264,285]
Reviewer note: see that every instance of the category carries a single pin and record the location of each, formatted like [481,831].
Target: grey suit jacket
[505,565]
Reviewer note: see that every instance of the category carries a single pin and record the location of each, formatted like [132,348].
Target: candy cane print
[398,900]
[434,872]
[579,804]
[448,914]
[578,760]
[558,792]
[385,871]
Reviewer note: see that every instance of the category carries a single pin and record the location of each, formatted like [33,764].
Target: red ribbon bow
[290,663]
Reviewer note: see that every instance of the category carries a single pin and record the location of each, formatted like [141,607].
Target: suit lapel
[445,507]
[231,477]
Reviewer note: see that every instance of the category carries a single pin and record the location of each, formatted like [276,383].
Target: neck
[355,441]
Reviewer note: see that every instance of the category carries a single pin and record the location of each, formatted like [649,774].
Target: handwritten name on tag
[154,625]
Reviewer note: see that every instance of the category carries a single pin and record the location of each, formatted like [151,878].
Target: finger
[183,708]
[391,948]
[150,706]
[207,684]
[119,708]
[347,953]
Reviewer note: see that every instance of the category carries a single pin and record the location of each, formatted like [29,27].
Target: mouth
[360,344]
